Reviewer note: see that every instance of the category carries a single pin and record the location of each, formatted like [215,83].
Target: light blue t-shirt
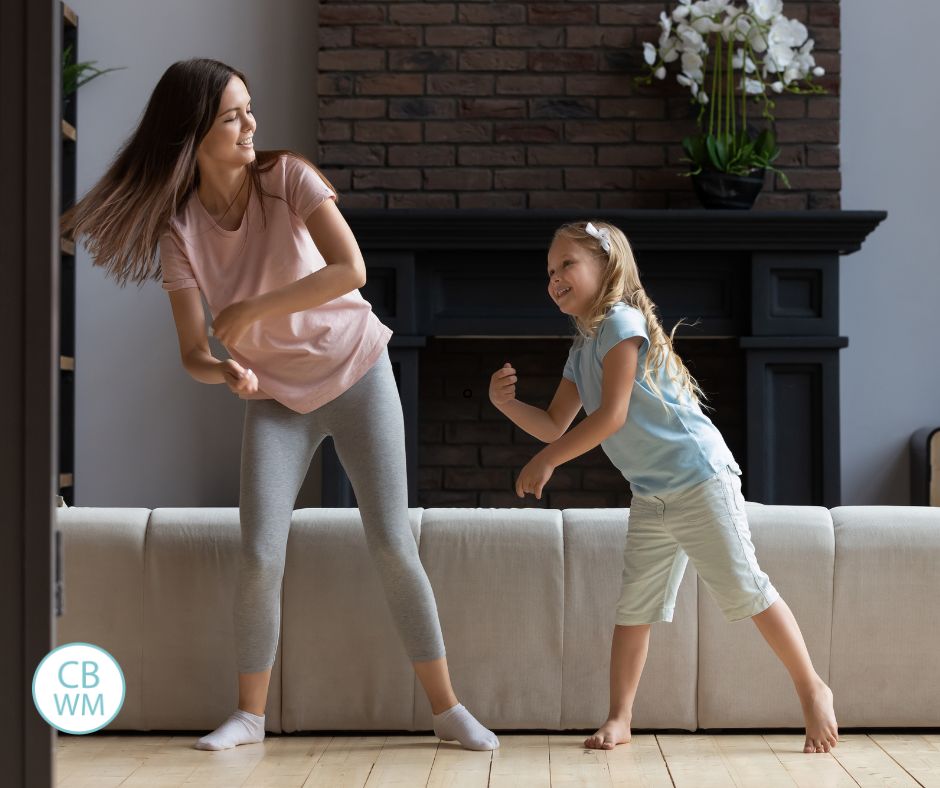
[658,450]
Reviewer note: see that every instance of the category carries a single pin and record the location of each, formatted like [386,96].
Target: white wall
[146,433]
[890,290]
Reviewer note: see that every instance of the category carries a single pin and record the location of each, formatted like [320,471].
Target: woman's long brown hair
[124,214]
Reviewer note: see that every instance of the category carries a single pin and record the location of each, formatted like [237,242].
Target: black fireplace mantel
[768,279]
[835,231]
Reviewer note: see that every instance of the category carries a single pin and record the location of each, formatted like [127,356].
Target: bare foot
[822,730]
[609,735]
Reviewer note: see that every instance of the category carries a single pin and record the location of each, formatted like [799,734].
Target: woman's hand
[238,379]
[534,476]
[503,385]
[231,324]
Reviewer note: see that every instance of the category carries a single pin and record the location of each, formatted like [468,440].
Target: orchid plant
[726,51]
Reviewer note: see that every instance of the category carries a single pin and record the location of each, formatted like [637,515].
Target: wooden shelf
[69,15]
[67,248]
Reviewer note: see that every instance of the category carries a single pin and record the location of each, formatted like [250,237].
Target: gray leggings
[277,446]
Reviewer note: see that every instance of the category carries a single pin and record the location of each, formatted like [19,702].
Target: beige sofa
[526,599]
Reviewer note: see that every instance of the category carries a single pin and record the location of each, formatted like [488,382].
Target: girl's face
[229,140]
[574,276]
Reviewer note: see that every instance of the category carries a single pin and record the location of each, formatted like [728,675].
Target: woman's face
[229,141]
[574,276]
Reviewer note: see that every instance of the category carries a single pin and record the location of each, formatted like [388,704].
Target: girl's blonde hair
[620,282]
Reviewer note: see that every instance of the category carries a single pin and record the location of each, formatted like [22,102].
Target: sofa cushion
[594,543]
[103,558]
[190,675]
[885,620]
[742,684]
[498,577]
[344,664]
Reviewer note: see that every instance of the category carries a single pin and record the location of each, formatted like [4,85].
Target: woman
[259,236]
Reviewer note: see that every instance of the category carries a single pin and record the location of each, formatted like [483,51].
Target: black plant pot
[723,190]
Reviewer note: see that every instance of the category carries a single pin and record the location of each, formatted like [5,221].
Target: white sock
[458,723]
[241,728]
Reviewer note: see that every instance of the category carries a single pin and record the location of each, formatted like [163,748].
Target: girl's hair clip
[602,235]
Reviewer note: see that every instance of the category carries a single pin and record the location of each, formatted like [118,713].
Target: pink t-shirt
[304,359]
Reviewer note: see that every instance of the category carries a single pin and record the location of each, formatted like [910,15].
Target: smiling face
[574,276]
[229,140]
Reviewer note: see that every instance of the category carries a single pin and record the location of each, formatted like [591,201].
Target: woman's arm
[345,269]
[620,365]
[197,359]
[344,272]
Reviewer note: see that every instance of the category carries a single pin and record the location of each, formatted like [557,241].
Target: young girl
[643,409]
[260,238]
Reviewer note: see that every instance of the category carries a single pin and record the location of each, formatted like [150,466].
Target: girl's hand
[238,379]
[231,324]
[503,385]
[534,477]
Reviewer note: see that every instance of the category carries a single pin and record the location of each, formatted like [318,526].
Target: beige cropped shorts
[705,523]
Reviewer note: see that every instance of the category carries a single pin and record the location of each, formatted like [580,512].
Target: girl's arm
[546,425]
[197,359]
[344,272]
[620,365]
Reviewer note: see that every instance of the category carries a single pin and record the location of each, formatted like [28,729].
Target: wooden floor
[694,760]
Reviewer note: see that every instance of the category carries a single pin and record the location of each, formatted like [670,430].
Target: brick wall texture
[514,105]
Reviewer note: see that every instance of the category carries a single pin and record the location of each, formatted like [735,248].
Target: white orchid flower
[691,39]
[665,22]
[789,32]
[765,10]
[692,65]
[779,54]
[740,60]
[769,50]
[668,49]
[713,7]
[704,25]
[799,32]
[686,81]
[756,39]
[753,87]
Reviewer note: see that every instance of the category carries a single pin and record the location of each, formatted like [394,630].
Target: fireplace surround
[766,281]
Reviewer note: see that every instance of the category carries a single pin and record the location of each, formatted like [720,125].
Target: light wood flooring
[523,761]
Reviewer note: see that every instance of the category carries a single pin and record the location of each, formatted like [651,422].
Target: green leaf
[714,155]
[694,148]
[766,145]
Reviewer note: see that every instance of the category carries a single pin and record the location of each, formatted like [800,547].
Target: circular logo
[78,688]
